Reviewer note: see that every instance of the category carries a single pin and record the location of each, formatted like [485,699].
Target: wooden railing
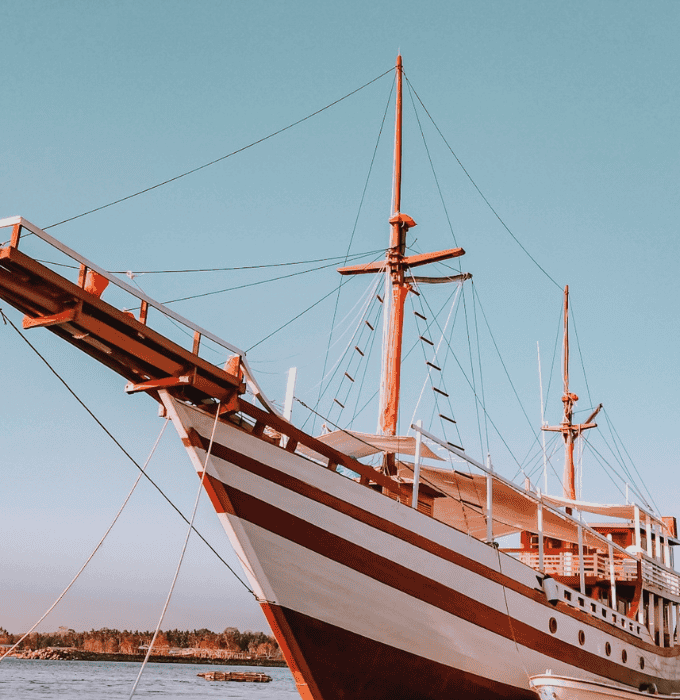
[598,564]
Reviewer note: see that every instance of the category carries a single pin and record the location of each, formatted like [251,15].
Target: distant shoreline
[79,655]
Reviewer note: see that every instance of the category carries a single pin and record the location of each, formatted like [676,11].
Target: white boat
[551,687]
[384,581]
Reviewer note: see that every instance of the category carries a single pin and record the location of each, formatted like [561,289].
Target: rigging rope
[507,447]
[481,376]
[366,300]
[121,448]
[455,296]
[349,246]
[472,371]
[309,308]
[615,432]
[183,552]
[271,279]
[217,160]
[295,318]
[479,191]
[580,354]
[96,549]
[552,364]
[434,173]
[212,269]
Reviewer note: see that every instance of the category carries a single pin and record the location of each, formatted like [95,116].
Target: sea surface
[34,679]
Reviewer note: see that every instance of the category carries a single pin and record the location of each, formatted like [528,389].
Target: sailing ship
[385,581]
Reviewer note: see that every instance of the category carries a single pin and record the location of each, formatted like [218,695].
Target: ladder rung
[369,325]
[441,415]
[420,316]
[439,369]
[356,347]
[339,404]
[348,377]
[439,391]
[379,298]
[427,340]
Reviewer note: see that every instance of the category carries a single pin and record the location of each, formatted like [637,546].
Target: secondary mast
[570,432]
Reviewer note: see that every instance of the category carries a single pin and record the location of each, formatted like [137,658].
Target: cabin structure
[639,585]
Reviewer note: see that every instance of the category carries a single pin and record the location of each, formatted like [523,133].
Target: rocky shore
[70,654]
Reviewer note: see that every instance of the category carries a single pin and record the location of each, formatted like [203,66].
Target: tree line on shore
[112,641]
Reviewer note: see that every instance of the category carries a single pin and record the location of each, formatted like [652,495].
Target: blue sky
[565,115]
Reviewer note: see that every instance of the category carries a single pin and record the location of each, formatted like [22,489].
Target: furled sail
[514,510]
[360,445]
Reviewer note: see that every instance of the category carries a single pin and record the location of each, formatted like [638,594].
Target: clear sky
[564,113]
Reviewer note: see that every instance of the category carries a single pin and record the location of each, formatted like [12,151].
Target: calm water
[28,679]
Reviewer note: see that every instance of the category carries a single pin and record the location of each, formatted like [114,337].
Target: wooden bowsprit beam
[125,344]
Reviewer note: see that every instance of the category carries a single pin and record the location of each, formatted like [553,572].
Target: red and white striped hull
[370,598]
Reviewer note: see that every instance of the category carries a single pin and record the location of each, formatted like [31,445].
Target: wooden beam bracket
[69,315]
[164,383]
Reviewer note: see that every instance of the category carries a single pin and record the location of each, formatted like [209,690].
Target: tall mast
[568,400]
[570,432]
[396,287]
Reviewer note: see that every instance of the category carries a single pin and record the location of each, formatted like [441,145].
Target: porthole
[642,663]
[624,656]
[552,625]
[608,649]
[581,637]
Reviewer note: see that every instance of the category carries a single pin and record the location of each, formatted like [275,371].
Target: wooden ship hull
[367,595]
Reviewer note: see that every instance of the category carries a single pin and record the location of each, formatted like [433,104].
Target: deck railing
[597,564]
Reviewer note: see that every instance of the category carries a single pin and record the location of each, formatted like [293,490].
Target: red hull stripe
[341,665]
[300,487]
[420,587]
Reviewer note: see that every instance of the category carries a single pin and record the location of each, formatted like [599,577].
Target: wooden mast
[568,400]
[397,288]
[569,431]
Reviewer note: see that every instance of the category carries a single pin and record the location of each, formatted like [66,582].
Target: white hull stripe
[536,595]
[411,583]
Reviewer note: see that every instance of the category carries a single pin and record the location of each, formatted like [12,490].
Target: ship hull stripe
[341,664]
[298,486]
[413,584]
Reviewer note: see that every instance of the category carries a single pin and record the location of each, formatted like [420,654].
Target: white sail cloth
[513,511]
[360,445]
[613,510]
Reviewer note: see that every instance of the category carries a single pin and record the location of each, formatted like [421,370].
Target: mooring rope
[118,444]
[96,549]
[181,557]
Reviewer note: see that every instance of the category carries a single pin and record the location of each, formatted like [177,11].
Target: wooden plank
[327,451]
[110,335]
[438,256]
[143,312]
[16,235]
